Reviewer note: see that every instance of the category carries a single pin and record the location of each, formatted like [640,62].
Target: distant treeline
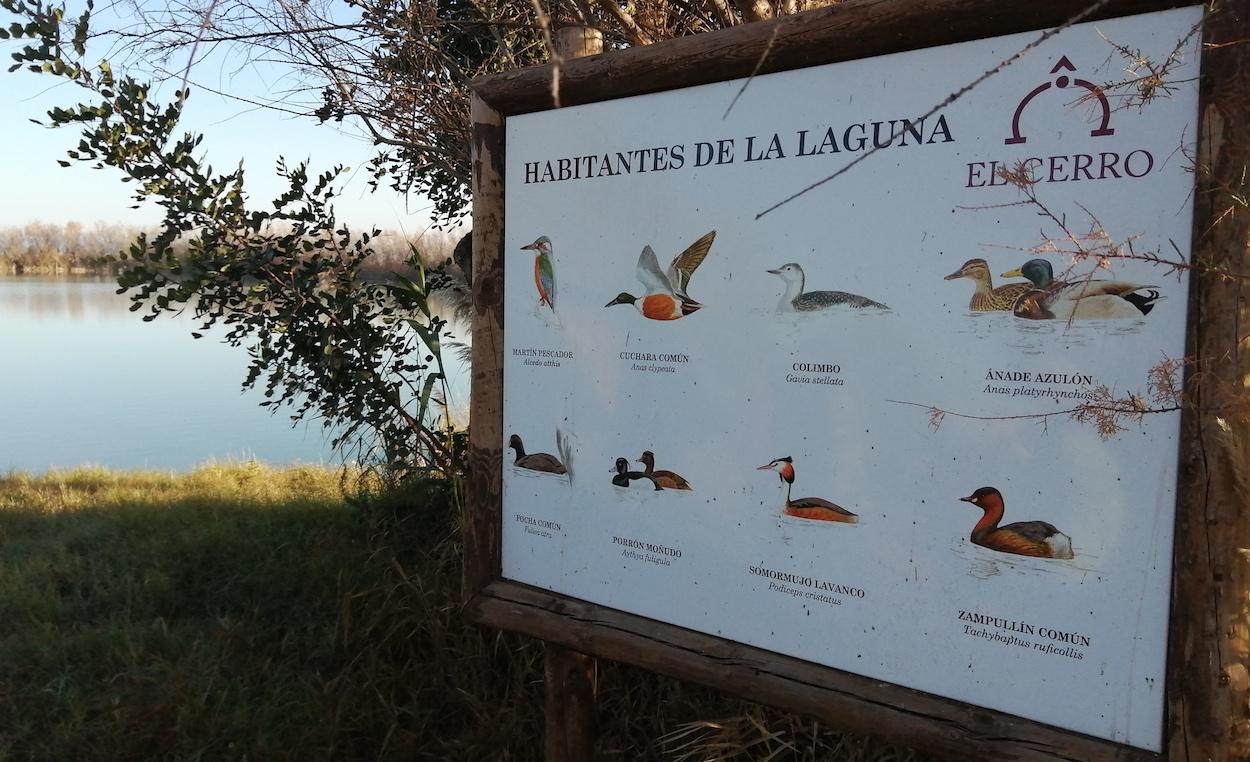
[41,248]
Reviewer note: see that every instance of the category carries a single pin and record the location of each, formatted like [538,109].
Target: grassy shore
[240,612]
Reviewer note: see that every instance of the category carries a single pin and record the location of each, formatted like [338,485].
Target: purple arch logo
[1061,82]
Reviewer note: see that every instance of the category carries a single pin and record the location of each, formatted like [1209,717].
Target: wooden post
[1209,649]
[569,675]
[484,487]
[578,42]
[570,707]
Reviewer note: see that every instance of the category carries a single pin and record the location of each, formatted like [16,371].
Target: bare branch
[758,65]
[754,10]
[630,27]
[722,12]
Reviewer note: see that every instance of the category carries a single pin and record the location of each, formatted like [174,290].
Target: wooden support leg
[570,708]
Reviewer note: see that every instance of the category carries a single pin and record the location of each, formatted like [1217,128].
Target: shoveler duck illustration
[1026,538]
[1050,299]
[986,298]
[666,479]
[538,461]
[797,300]
[816,508]
[666,297]
[544,273]
[623,476]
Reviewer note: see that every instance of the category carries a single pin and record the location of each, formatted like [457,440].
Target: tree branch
[628,25]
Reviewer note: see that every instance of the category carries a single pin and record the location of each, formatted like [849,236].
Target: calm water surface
[83,380]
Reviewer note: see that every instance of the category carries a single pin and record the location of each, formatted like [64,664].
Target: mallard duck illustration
[544,273]
[797,300]
[666,479]
[666,297]
[986,298]
[815,508]
[1026,538]
[1050,299]
[538,461]
[622,476]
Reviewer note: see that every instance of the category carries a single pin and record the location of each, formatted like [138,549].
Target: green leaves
[410,295]
[80,30]
[427,388]
[429,336]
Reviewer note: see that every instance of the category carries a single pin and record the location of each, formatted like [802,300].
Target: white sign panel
[722,420]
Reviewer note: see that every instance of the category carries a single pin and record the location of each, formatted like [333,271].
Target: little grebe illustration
[1026,538]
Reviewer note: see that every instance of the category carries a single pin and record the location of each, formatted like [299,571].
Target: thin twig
[1123,409]
[204,25]
[556,58]
[758,65]
[630,27]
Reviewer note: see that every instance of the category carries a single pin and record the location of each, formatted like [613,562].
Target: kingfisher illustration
[816,508]
[666,297]
[544,273]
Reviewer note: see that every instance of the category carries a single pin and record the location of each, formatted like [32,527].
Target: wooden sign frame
[1207,714]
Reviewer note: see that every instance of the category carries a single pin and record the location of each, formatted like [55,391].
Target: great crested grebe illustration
[665,479]
[1050,299]
[622,476]
[666,297]
[544,272]
[815,508]
[986,298]
[538,461]
[1039,539]
[796,299]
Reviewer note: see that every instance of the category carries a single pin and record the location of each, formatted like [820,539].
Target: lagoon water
[85,381]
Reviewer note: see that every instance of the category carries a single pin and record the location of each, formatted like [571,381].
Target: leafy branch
[283,282]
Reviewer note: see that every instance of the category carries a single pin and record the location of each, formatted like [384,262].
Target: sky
[37,188]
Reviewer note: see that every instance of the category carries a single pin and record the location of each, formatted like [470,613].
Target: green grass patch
[241,612]
[144,615]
